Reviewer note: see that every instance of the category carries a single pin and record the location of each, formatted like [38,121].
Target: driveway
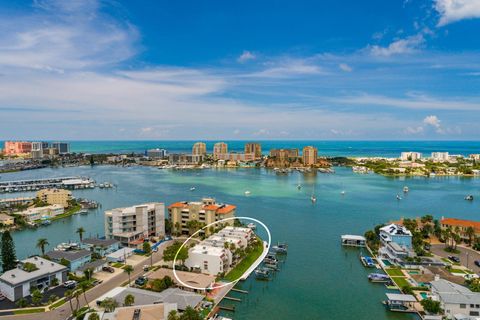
[64,311]
[472,255]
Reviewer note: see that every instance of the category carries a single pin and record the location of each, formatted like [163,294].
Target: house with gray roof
[16,283]
[101,246]
[75,258]
[456,300]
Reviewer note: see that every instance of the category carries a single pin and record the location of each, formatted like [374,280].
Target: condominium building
[47,212]
[55,196]
[284,154]
[233,156]
[440,156]
[462,226]
[410,156]
[199,148]
[38,149]
[156,153]
[206,211]
[185,159]
[309,155]
[219,148]
[254,148]
[131,225]
[14,148]
[62,147]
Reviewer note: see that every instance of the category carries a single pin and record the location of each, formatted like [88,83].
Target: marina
[70,182]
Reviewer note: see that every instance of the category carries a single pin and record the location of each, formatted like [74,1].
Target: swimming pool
[424,295]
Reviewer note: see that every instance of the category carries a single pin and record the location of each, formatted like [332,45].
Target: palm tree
[76,295]
[80,232]
[84,287]
[470,233]
[69,295]
[41,244]
[128,269]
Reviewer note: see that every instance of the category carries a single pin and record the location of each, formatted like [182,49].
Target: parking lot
[438,249]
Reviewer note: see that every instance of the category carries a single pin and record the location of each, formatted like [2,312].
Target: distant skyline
[249,70]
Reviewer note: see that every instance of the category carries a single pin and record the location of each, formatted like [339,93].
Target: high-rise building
[199,148]
[219,148]
[38,149]
[14,148]
[207,211]
[133,224]
[156,153]
[309,155]
[254,148]
[284,154]
[410,156]
[62,147]
[440,156]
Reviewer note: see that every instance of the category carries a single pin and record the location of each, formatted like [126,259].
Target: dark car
[477,263]
[108,269]
[141,281]
[454,259]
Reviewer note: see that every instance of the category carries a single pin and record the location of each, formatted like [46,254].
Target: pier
[232,299]
[73,182]
[241,291]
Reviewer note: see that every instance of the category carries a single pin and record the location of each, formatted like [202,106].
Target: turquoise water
[326,148]
[320,279]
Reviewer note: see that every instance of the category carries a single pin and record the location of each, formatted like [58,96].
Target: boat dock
[73,182]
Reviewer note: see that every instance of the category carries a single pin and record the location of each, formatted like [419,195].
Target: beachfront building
[284,154]
[38,149]
[47,212]
[237,157]
[462,226]
[457,301]
[254,148]
[131,225]
[199,148]
[156,153]
[61,147]
[205,212]
[17,148]
[55,196]
[218,149]
[410,156]
[309,156]
[73,259]
[440,156]
[34,272]
[209,259]
[184,159]
[10,202]
[6,220]
[396,243]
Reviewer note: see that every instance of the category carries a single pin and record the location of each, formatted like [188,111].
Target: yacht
[192,189]
[262,274]
[398,197]
[405,189]
[469,197]
[247,193]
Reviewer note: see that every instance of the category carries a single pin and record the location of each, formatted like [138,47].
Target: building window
[463,306]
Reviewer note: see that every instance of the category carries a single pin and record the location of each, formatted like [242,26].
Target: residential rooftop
[450,292]
[461,223]
[68,255]
[18,275]
[100,242]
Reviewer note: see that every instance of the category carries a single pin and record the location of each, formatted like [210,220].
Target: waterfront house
[30,273]
[131,225]
[462,225]
[456,300]
[207,211]
[102,247]
[47,212]
[74,258]
[6,220]
[396,243]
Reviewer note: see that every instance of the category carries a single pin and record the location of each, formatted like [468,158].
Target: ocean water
[320,279]
[326,148]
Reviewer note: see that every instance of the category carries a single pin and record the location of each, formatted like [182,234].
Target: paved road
[472,255]
[64,311]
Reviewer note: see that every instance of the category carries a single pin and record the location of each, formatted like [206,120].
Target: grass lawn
[457,271]
[117,265]
[395,272]
[27,311]
[400,282]
[240,268]
[58,304]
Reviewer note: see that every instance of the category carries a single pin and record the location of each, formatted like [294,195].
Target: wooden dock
[227,308]
[239,290]
[233,299]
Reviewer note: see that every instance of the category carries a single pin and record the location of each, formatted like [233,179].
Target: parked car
[454,259]
[146,267]
[477,263]
[108,269]
[141,281]
[97,282]
[70,284]
[427,246]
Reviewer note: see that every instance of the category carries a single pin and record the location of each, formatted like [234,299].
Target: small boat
[192,189]
[271,266]
[247,193]
[405,189]
[398,197]
[313,198]
[280,248]
[378,277]
[469,197]
[368,261]
[83,212]
[252,226]
[46,222]
[101,185]
[299,186]
[342,192]
[262,274]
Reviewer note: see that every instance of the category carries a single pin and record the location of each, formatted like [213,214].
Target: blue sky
[342,69]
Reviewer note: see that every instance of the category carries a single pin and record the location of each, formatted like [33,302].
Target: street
[473,255]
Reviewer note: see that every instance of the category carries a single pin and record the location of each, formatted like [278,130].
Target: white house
[209,259]
[396,243]
[457,301]
[16,283]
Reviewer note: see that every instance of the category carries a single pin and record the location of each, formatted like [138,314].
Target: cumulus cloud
[246,56]
[456,10]
[402,46]
[432,121]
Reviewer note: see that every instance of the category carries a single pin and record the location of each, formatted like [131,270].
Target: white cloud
[345,67]
[456,10]
[286,68]
[414,130]
[246,56]
[402,46]
[432,121]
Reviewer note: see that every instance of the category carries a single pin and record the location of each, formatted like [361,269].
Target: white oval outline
[264,253]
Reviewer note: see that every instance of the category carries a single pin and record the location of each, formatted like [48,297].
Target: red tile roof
[177,205]
[461,223]
[211,207]
[226,209]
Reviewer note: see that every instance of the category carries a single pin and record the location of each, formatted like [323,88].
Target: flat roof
[401,297]
[45,267]
[100,242]
[93,265]
[353,237]
[68,255]
[120,253]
